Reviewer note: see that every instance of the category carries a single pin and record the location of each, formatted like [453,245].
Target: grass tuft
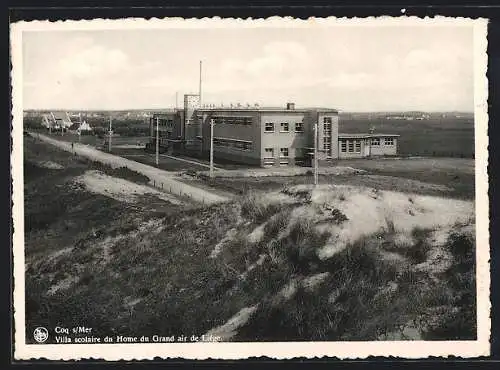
[255,210]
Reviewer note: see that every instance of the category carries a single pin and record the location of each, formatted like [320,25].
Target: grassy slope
[134,272]
[460,184]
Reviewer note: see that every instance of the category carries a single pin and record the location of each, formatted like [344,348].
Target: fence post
[154,183]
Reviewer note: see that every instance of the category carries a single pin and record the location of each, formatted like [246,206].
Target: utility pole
[80,128]
[211,148]
[110,134]
[316,154]
[157,140]
[176,100]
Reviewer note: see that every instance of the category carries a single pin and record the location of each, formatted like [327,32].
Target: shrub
[276,223]
[256,211]
[301,245]
[121,172]
[417,252]
[338,217]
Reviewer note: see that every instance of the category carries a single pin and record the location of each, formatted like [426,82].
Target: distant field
[95,140]
[437,136]
[440,137]
[449,177]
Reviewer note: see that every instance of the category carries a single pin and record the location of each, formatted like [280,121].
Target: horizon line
[263,107]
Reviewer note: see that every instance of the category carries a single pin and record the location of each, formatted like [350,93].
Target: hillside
[338,262]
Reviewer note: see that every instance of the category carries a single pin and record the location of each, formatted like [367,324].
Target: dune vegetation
[335,262]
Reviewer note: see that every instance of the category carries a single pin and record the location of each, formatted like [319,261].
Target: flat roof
[365,136]
[166,112]
[267,109]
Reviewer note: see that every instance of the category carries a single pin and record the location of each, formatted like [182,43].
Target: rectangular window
[375,141]
[327,130]
[343,146]
[357,144]
[284,152]
[269,153]
[351,146]
[327,146]
[389,141]
[299,127]
[284,126]
[327,120]
[269,127]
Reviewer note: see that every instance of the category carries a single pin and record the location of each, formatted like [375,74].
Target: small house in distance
[84,128]
[367,145]
[56,120]
[62,119]
[81,128]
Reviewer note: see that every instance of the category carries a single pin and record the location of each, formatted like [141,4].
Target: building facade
[57,120]
[367,145]
[258,136]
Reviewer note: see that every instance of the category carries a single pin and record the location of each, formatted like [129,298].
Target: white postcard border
[342,350]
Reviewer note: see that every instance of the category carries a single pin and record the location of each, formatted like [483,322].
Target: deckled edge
[288,350]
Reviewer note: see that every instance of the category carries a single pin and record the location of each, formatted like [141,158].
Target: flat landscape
[441,135]
[383,251]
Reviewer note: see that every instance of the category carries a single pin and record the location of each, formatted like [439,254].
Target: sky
[351,68]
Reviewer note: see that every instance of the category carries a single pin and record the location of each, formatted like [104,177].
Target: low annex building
[367,145]
[262,136]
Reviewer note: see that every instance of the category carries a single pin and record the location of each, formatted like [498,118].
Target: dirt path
[158,178]
[189,161]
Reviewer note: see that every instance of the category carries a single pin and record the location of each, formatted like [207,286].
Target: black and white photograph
[223,188]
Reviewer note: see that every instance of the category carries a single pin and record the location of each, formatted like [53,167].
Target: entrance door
[367,148]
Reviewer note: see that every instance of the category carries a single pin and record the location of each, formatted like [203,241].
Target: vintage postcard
[225,189]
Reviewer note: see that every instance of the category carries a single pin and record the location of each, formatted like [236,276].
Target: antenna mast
[199,92]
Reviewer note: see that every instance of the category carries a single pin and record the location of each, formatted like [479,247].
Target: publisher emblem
[40,334]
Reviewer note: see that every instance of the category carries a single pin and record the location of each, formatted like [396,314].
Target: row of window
[229,120]
[164,122]
[232,143]
[350,146]
[387,141]
[346,146]
[327,129]
[299,127]
[269,152]
[284,127]
[354,146]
